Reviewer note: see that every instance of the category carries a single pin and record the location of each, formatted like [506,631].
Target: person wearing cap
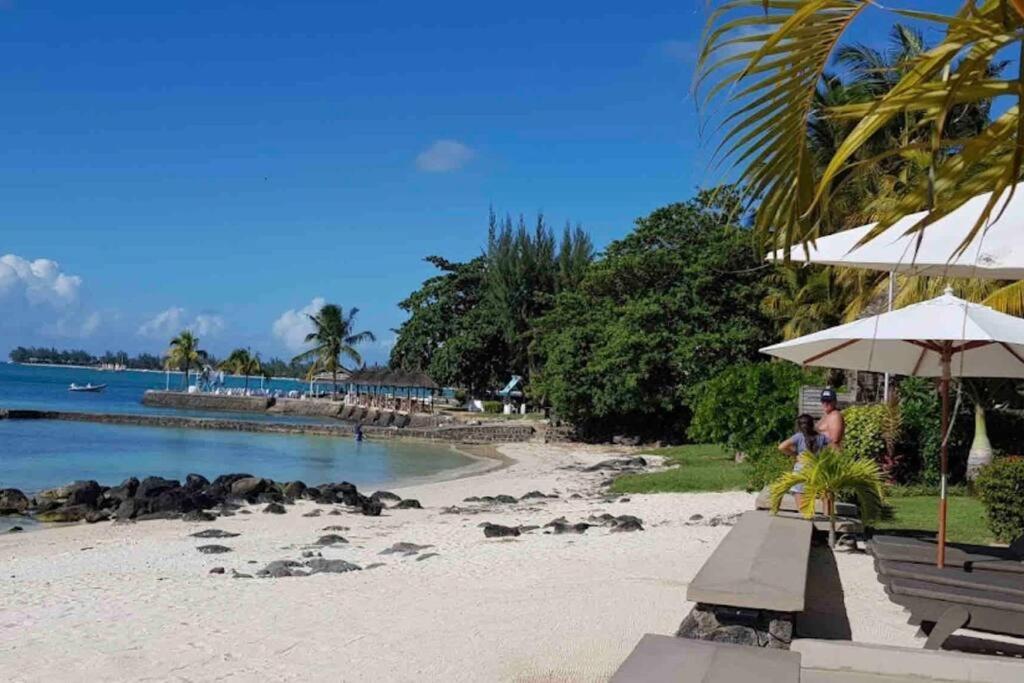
[831,424]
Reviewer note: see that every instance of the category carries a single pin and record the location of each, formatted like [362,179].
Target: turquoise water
[36,454]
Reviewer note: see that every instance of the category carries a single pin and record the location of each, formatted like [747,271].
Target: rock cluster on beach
[197,499]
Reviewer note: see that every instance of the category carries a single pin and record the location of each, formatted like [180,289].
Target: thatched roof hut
[381,376]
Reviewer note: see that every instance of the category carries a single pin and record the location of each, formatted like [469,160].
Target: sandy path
[136,602]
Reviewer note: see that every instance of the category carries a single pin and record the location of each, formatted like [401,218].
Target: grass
[965,519]
[701,467]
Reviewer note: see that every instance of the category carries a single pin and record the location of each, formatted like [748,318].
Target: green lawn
[965,520]
[701,467]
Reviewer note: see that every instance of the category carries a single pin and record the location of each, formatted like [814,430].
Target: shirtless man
[831,424]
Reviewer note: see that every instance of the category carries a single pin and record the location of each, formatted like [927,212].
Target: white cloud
[293,325]
[173,320]
[38,282]
[443,156]
[76,326]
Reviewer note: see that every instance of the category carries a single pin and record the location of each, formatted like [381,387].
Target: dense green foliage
[865,426]
[749,404]
[694,467]
[32,354]
[765,464]
[668,307]
[1000,487]
[473,324]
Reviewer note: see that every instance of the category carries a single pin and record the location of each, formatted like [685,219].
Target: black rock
[151,487]
[526,528]
[196,482]
[628,525]
[313,513]
[213,549]
[575,496]
[617,464]
[279,569]
[471,499]
[374,565]
[130,509]
[628,519]
[499,531]
[335,512]
[14,529]
[404,548]
[426,556]
[249,486]
[239,575]
[321,566]
[119,494]
[311,493]
[335,527]
[578,528]
[64,513]
[623,500]
[537,494]
[198,516]
[558,520]
[93,516]
[214,533]
[13,502]
[84,493]
[269,496]
[245,512]
[385,495]
[275,509]
[408,504]
[331,539]
[502,498]
[373,508]
[294,489]
[696,518]
[217,570]
[176,500]
[226,480]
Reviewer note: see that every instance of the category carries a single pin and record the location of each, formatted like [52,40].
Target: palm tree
[827,475]
[183,353]
[333,339]
[767,57]
[245,363]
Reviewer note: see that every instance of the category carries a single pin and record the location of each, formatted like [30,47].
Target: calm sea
[36,454]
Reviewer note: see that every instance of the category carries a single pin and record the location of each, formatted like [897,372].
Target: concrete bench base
[663,659]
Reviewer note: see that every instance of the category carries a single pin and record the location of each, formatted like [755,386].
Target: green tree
[244,362]
[667,307]
[333,338]
[827,475]
[184,353]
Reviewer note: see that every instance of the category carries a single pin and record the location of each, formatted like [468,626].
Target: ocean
[37,454]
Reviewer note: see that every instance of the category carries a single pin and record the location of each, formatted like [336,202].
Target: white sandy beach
[137,601]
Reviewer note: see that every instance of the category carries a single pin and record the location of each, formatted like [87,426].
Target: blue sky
[223,164]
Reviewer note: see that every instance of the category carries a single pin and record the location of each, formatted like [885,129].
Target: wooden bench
[753,583]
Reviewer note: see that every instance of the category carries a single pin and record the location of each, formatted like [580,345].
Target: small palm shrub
[827,475]
[1001,488]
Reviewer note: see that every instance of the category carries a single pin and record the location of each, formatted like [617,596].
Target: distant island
[33,355]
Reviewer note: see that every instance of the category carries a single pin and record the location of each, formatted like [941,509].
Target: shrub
[1001,488]
[492,406]
[748,405]
[765,464]
[921,436]
[865,425]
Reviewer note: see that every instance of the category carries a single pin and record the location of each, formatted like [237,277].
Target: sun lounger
[941,609]
[922,550]
[996,581]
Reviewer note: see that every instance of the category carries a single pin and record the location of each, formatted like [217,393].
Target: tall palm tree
[333,339]
[184,353]
[767,58]
[245,363]
[827,475]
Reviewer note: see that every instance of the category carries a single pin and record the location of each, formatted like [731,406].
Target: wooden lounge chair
[996,581]
[922,550]
[941,609]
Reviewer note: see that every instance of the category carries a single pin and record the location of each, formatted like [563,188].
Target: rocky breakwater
[195,499]
[216,402]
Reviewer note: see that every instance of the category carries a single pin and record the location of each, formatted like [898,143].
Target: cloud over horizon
[443,156]
[173,320]
[292,326]
[37,282]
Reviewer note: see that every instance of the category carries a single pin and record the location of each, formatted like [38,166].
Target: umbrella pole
[940,560]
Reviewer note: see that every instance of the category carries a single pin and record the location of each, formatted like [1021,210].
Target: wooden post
[940,560]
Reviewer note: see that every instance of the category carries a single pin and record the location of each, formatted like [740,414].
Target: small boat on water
[87,387]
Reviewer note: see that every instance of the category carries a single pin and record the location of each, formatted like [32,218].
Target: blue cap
[828,395]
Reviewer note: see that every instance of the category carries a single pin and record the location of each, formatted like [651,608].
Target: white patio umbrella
[944,337]
[996,252]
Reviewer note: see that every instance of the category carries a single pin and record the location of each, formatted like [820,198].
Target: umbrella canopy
[995,253]
[943,337]
[909,341]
